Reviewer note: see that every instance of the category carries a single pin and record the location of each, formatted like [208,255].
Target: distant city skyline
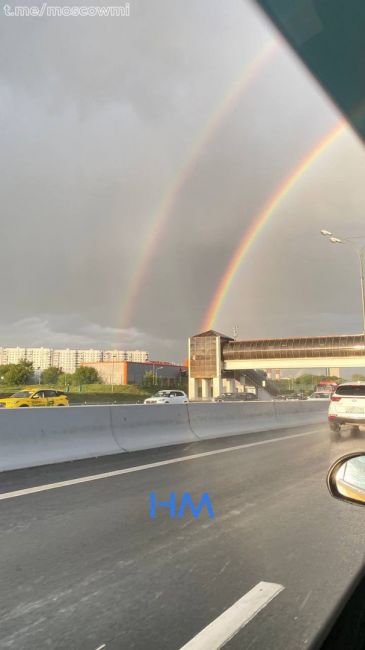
[67,359]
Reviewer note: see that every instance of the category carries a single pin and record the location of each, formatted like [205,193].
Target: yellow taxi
[35,398]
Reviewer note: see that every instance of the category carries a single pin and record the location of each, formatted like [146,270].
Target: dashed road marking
[226,626]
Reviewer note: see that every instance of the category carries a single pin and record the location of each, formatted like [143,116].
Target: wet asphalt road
[84,566]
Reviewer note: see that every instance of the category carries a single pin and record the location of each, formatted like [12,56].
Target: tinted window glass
[351,389]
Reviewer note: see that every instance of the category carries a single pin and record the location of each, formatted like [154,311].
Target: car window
[328,36]
[351,390]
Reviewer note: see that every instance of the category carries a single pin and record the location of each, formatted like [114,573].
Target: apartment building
[67,359]
[89,356]
[3,357]
[41,358]
[138,356]
[14,355]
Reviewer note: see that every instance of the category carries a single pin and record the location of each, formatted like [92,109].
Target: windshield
[351,390]
[182,234]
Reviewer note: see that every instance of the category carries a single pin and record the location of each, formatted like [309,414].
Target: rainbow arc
[262,218]
[171,196]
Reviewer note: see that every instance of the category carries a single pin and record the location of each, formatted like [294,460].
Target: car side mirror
[346,478]
[35,397]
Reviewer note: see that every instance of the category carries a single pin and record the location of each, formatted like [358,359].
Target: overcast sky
[99,116]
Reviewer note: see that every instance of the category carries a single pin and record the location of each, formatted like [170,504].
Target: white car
[168,397]
[347,406]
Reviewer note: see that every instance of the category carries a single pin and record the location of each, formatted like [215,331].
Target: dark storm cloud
[97,117]
[71,330]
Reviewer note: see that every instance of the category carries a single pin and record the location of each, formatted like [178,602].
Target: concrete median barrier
[39,436]
[144,427]
[294,413]
[215,420]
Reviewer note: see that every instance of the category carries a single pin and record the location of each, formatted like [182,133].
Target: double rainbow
[170,198]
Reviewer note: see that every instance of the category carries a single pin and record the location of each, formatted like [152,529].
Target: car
[347,406]
[168,397]
[318,395]
[236,397]
[32,398]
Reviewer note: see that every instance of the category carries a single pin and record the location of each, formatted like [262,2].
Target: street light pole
[360,252]
[113,357]
[156,371]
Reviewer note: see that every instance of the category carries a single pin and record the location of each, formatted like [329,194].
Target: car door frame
[41,401]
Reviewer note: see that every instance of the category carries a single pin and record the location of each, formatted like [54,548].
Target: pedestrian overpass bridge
[214,357]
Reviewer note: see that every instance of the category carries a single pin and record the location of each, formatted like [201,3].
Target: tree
[66,379]
[85,375]
[148,379]
[51,376]
[358,377]
[308,380]
[17,374]
[3,370]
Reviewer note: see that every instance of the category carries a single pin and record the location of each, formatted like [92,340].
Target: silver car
[168,397]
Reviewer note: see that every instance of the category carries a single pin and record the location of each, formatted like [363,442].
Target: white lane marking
[223,628]
[101,647]
[141,468]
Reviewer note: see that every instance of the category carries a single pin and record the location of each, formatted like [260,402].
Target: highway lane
[84,565]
